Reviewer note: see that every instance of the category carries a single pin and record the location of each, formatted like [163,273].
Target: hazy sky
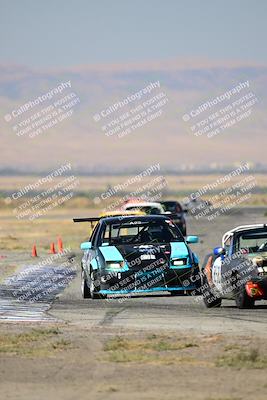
[52,33]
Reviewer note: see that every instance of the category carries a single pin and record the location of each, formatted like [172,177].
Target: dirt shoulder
[64,362]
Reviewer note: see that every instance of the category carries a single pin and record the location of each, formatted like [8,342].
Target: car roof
[240,229]
[170,202]
[121,213]
[144,204]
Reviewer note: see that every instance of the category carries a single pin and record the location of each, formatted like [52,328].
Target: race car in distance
[176,213]
[137,254]
[197,205]
[237,269]
[117,213]
[148,207]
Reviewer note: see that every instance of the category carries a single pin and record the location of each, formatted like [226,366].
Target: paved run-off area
[145,347]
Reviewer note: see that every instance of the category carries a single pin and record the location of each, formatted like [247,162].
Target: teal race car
[137,254]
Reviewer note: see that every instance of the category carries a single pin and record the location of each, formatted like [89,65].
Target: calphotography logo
[135,179]
[45,194]
[223,195]
[133,112]
[235,108]
[44,112]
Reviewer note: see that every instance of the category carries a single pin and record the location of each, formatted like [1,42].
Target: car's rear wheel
[243,300]
[84,287]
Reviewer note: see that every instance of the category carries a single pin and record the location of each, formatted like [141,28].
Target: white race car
[238,268]
[150,208]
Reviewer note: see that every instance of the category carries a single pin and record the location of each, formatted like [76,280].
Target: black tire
[193,292]
[95,287]
[177,293]
[211,300]
[197,275]
[84,287]
[243,300]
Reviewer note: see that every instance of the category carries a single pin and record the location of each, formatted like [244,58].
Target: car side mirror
[86,246]
[219,251]
[192,239]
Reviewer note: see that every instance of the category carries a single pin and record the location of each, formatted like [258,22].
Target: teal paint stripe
[178,250]
[111,253]
[157,289]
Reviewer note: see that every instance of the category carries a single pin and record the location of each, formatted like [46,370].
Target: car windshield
[141,232]
[252,242]
[172,206]
[146,209]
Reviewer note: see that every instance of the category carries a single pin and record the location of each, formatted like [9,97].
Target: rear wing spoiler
[91,220]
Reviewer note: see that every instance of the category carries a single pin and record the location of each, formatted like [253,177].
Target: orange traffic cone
[60,245]
[34,251]
[52,248]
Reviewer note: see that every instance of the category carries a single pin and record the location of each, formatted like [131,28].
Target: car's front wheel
[177,293]
[210,298]
[243,300]
[84,287]
[95,287]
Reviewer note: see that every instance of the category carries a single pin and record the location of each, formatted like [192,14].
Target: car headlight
[180,262]
[262,269]
[115,265]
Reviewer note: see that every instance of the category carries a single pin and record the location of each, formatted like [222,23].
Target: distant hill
[166,139]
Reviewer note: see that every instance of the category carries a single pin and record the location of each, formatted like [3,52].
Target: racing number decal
[217,273]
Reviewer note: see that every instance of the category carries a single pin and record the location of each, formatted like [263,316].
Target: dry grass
[172,349]
[224,398]
[102,183]
[6,270]
[35,343]
[239,358]
[155,348]
[21,235]
[178,186]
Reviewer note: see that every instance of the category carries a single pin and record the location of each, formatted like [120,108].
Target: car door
[226,282]
[217,273]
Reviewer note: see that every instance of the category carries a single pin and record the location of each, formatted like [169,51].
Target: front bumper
[151,290]
[171,280]
[257,288]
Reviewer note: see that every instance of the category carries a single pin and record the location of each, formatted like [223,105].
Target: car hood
[262,254]
[146,253]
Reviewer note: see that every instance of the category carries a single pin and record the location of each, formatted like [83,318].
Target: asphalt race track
[166,312]
[62,300]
